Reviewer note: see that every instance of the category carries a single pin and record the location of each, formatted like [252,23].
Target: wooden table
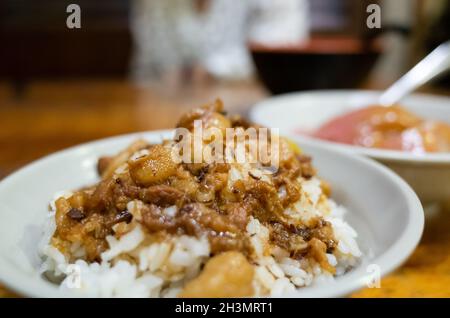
[50,116]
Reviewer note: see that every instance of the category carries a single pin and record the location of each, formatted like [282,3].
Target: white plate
[428,174]
[383,209]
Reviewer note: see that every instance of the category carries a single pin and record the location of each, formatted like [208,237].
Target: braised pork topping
[196,199]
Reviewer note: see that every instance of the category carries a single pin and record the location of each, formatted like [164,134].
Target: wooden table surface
[49,116]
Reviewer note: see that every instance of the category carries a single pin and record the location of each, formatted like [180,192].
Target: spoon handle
[432,65]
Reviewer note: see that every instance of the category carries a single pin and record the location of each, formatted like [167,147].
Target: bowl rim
[388,260]
[379,154]
[321,45]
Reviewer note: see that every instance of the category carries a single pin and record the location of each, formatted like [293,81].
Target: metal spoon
[433,64]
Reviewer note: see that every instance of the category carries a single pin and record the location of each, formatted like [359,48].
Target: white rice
[160,269]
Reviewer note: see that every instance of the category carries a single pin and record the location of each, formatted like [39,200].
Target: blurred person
[188,40]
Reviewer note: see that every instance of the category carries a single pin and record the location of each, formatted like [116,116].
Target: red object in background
[392,128]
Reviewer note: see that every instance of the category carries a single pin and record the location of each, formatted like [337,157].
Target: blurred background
[136,65]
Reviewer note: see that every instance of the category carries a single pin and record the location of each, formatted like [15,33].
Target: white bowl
[428,174]
[382,208]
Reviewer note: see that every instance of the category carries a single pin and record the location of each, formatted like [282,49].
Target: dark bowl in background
[320,63]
